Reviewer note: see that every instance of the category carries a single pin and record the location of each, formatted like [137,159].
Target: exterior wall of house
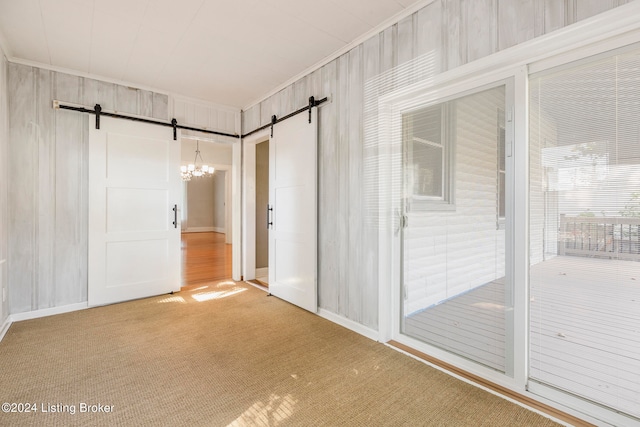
[449,252]
[443,35]
[47,189]
[4,179]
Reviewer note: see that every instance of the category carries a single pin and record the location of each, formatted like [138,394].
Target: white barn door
[134,186]
[293,200]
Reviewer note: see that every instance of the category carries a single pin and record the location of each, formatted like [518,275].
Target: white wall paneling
[47,192]
[4,179]
[206,115]
[441,36]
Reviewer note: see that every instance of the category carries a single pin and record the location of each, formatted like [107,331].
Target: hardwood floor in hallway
[205,258]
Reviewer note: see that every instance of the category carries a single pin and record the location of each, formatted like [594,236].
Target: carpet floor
[225,354]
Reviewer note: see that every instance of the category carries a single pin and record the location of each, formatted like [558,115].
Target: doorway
[206,250]
[262,214]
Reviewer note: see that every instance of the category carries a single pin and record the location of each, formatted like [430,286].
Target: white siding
[447,253]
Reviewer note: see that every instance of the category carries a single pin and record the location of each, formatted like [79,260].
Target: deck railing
[601,237]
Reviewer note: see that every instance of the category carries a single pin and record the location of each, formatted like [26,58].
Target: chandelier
[193,170]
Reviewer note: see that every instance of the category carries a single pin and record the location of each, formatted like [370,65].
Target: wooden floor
[584,334]
[205,258]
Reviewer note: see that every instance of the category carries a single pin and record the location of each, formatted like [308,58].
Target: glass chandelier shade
[193,169]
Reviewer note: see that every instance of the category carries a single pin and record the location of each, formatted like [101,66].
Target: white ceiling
[231,52]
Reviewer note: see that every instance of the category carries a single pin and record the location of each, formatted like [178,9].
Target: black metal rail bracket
[274,120]
[312,103]
[97,110]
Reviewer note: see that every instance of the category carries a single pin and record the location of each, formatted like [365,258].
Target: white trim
[5,327]
[520,225]
[349,324]
[262,272]
[36,314]
[407,11]
[249,202]
[236,209]
[204,230]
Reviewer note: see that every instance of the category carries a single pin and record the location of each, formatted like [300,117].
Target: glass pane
[424,149]
[455,295]
[585,231]
[427,161]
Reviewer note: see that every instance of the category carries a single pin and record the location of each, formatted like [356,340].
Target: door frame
[249,202]
[390,197]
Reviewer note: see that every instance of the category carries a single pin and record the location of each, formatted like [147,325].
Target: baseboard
[5,327]
[349,324]
[204,230]
[262,272]
[35,314]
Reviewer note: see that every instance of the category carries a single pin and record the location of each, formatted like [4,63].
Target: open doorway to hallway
[206,257]
[206,215]
[262,214]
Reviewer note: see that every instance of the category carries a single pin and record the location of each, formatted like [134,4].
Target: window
[427,156]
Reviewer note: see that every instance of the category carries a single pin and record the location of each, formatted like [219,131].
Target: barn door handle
[269,213]
[175,216]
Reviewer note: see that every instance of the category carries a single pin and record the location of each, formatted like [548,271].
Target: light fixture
[193,170]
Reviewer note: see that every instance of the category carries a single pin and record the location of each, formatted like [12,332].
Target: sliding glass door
[456,286]
[585,230]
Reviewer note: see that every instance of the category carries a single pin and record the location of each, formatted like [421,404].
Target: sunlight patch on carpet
[272,413]
[173,298]
[208,296]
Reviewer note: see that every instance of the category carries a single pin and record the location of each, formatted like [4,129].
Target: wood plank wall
[441,36]
[4,139]
[47,194]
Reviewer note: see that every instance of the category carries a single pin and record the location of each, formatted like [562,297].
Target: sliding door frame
[393,108]
[608,31]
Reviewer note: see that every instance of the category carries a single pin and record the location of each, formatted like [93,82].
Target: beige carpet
[227,355]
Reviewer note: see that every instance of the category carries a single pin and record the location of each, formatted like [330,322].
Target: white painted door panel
[134,247]
[293,197]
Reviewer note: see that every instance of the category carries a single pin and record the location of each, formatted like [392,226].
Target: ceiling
[231,52]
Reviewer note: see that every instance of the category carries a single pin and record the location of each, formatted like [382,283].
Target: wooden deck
[471,325]
[585,328]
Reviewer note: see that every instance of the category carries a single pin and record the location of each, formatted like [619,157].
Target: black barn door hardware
[97,110]
[312,103]
[175,216]
[269,213]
